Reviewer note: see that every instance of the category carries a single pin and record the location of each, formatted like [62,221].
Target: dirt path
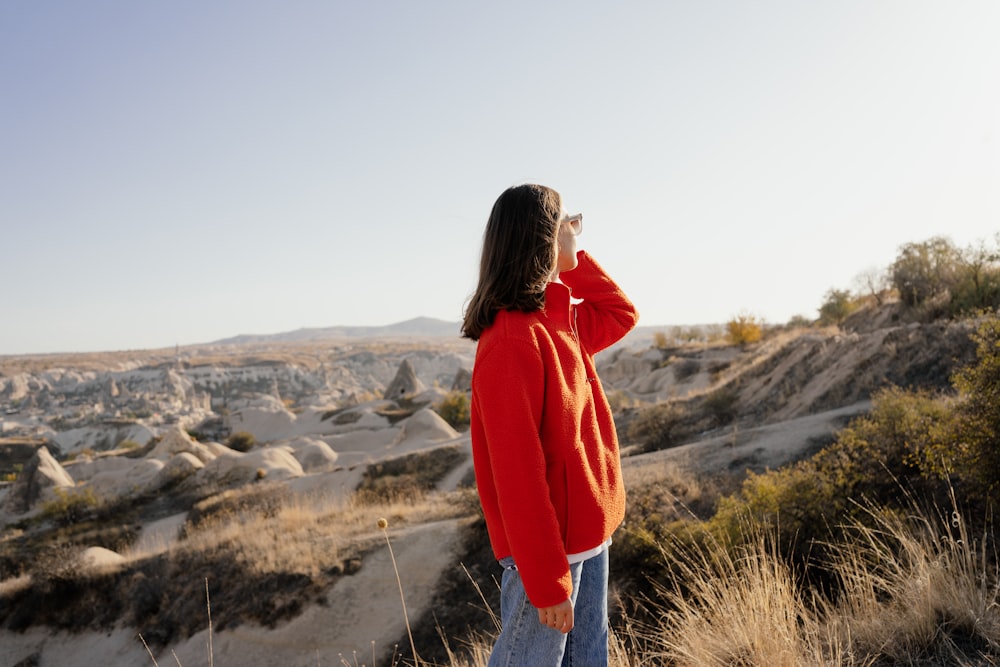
[364,610]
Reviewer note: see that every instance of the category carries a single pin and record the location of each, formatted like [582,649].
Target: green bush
[978,284]
[70,507]
[241,441]
[924,270]
[969,444]
[454,408]
[723,405]
[837,305]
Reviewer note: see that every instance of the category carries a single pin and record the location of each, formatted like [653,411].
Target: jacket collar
[558,306]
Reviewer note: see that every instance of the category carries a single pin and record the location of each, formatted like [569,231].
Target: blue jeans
[525,642]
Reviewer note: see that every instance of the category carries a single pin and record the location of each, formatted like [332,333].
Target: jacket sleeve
[606,314]
[510,381]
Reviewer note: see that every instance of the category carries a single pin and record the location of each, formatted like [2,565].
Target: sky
[174,173]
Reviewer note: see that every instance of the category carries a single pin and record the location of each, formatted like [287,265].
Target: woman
[543,439]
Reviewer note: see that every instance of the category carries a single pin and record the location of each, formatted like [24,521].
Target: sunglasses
[575,222]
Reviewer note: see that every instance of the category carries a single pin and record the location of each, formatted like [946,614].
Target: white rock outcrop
[180,466]
[271,463]
[101,559]
[424,429]
[266,418]
[37,481]
[313,454]
[116,476]
[177,441]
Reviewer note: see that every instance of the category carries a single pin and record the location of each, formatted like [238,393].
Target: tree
[837,305]
[978,284]
[873,282]
[925,270]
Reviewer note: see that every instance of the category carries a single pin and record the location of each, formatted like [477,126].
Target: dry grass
[916,589]
[306,534]
[918,585]
[735,607]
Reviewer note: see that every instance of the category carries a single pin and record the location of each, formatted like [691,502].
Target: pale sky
[184,171]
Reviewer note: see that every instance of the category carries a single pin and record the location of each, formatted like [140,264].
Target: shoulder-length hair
[519,255]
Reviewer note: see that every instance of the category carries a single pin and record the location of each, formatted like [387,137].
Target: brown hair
[519,255]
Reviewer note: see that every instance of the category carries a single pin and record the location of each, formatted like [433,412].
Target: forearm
[606,313]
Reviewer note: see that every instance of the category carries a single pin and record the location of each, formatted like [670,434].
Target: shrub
[454,408]
[657,427]
[722,405]
[744,329]
[799,322]
[796,499]
[70,507]
[924,270]
[880,457]
[660,340]
[57,562]
[837,305]
[241,441]
[969,444]
[685,368]
[978,284]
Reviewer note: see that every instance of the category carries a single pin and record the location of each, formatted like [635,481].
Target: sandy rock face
[116,476]
[423,429]
[39,477]
[313,454]
[101,437]
[267,418]
[179,467]
[271,463]
[177,441]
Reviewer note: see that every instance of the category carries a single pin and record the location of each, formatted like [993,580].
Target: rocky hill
[149,431]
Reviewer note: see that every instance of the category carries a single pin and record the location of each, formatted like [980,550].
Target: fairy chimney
[405,383]
[40,473]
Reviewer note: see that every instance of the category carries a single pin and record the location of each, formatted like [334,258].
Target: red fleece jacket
[543,439]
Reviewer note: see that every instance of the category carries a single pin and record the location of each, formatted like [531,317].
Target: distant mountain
[419,327]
